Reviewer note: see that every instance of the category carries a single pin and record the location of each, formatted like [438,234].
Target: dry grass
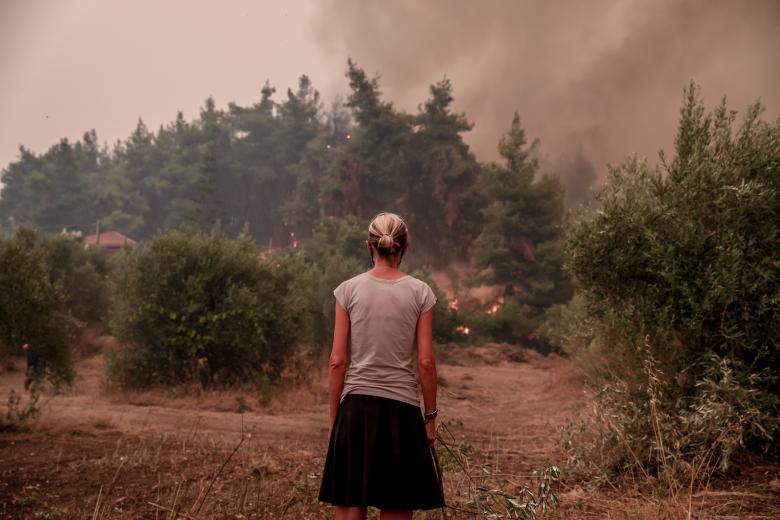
[118,476]
[163,455]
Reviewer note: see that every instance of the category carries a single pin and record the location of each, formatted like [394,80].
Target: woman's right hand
[430,431]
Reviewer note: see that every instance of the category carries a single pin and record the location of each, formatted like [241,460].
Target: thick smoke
[600,78]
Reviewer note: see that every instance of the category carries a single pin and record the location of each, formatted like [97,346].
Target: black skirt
[378,456]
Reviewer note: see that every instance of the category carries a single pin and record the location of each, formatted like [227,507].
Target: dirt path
[519,403]
[88,406]
[507,411]
[101,454]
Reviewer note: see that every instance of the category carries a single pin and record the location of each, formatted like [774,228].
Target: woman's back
[383,315]
[378,442]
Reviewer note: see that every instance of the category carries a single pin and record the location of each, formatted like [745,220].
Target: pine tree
[520,246]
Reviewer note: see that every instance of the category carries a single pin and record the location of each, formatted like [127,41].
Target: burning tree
[520,246]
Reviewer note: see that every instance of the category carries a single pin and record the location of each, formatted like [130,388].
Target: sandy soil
[98,453]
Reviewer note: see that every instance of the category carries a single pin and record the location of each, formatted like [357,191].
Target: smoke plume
[603,78]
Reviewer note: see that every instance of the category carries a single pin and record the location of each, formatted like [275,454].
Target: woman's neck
[385,264]
[385,268]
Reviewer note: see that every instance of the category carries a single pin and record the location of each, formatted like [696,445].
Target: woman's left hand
[430,431]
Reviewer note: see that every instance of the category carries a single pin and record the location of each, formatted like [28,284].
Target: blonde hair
[388,234]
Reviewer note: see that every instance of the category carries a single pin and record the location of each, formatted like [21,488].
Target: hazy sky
[603,75]
[67,66]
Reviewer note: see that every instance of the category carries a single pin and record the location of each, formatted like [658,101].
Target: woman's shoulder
[417,282]
[354,279]
[406,280]
[351,282]
[424,294]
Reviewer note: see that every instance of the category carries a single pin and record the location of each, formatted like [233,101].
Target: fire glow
[494,308]
[463,330]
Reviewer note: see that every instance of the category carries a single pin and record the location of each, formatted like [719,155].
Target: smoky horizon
[601,79]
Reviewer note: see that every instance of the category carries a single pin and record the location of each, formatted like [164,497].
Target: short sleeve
[342,295]
[428,299]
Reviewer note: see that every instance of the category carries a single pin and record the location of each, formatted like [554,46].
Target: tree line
[276,174]
[278,168]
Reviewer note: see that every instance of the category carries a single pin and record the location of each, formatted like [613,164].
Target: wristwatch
[431,416]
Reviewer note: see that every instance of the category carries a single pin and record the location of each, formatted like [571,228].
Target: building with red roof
[109,240]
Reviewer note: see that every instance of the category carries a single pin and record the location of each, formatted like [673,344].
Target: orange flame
[463,330]
[496,306]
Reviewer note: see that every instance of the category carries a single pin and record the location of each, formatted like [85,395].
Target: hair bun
[388,235]
[385,242]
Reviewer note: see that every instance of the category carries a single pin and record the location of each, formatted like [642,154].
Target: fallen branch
[221,468]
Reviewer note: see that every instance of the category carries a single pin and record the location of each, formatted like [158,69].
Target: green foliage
[416,165]
[194,306]
[566,327]
[498,495]
[82,274]
[335,252]
[730,410]
[630,432]
[284,169]
[680,270]
[278,167]
[33,307]
[512,323]
[522,503]
[520,246]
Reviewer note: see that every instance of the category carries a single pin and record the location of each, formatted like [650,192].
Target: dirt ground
[97,453]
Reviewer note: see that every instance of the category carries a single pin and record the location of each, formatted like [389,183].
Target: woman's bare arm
[426,367]
[337,364]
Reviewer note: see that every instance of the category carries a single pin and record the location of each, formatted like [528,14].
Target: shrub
[680,273]
[566,327]
[83,275]
[512,323]
[195,306]
[33,310]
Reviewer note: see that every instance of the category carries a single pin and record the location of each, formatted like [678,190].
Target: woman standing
[378,449]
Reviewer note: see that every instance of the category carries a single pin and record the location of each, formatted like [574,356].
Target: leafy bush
[512,323]
[194,306]
[566,327]
[680,273]
[33,309]
[83,275]
[517,323]
[625,433]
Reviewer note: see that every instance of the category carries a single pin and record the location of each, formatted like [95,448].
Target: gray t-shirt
[383,317]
